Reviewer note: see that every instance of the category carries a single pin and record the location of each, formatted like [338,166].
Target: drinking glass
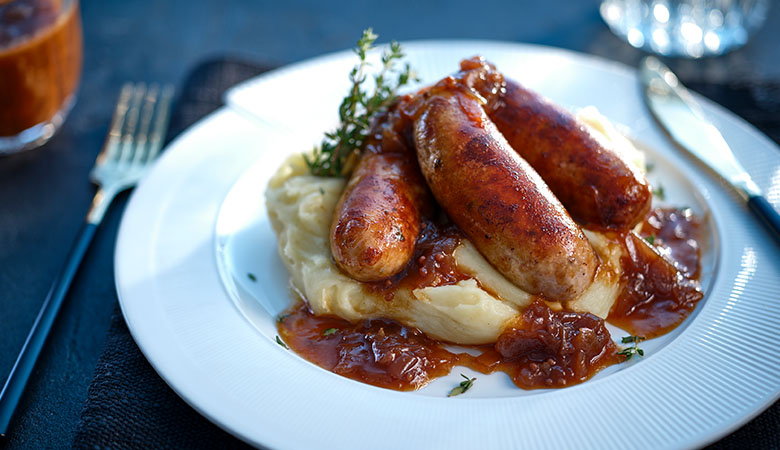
[40,66]
[685,28]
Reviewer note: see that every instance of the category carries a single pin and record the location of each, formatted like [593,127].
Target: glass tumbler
[685,28]
[40,67]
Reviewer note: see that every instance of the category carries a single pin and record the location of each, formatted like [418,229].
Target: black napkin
[129,406]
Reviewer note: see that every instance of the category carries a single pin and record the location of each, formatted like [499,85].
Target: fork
[127,154]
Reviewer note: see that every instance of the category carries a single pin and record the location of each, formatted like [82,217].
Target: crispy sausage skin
[378,217]
[595,184]
[496,198]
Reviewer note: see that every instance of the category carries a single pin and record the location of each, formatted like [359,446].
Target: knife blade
[680,115]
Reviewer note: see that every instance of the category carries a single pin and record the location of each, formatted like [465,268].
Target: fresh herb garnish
[649,167]
[329,331]
[281,342]
[659,192]
[650,239]
[281,318]
[337,154]
[628,352]
[251,276]
[462,387]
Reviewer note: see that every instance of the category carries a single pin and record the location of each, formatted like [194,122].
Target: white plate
[197,226]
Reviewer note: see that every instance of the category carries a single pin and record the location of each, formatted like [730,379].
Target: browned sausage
[595,183]
[378,217]
[496,198]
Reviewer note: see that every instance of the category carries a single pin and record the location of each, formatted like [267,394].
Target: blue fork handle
[767,213]
[25,362]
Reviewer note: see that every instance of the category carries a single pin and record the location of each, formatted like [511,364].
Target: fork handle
[20,374]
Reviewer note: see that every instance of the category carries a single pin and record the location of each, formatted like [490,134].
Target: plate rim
[594,60]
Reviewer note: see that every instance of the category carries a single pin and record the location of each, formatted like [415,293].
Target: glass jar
[40,67]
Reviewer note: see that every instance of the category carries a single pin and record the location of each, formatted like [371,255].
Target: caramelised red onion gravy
[542,347]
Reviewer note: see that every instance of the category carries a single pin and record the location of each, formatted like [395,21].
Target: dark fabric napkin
[129,406]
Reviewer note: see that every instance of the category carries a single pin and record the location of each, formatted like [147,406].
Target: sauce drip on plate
[541,348]
[549,348]
[545,349]
[675,235]
[379,352]
[659,292]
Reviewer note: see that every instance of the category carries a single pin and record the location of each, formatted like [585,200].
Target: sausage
[378,217]
[594,182]
[496,198]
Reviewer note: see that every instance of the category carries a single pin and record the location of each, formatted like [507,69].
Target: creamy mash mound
[473,311]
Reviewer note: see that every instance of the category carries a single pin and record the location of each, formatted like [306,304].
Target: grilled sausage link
[496,198]
[378,217]
[593,181]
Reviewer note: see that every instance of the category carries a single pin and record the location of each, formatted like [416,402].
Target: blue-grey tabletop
[44,193]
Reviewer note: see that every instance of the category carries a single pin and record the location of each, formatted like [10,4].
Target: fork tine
[111,146]
[128,135]
[146,119]
[129,147]
[160,122]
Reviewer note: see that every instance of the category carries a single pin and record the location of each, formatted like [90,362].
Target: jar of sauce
[40,66]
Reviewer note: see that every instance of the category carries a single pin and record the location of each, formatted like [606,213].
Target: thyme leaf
[281,342]
[251,276]
[659,192]
[628,352]
[337,155]
[631,339]
[462,387]
[329,331]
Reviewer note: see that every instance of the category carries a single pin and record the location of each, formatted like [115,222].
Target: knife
[680,115]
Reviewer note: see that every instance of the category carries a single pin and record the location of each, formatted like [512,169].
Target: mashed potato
[473,311]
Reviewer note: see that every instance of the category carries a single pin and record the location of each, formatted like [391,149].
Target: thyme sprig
[462,387]
[337,155]
[628,352]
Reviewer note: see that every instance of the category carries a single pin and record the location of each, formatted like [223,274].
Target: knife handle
[767,213]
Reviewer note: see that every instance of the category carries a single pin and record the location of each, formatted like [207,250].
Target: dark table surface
[45,193]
